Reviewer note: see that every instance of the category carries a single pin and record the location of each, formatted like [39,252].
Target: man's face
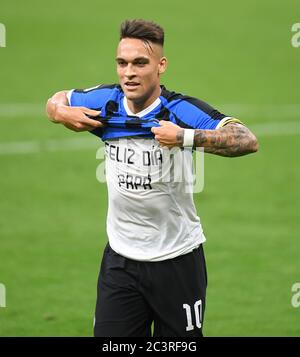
[139,68]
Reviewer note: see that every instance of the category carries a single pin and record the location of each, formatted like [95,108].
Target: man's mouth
[131,85]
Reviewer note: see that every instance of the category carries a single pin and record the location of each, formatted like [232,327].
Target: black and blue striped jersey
[183,110]
[151,214]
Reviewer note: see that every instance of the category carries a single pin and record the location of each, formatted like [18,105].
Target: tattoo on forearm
[179,137]
[231,140]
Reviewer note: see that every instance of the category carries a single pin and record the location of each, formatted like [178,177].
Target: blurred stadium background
[236,56]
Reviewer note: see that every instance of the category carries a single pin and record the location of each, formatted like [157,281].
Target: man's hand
[232,140]
[168,134]
[73,118]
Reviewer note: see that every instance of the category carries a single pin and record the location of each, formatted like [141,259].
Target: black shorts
[133,294]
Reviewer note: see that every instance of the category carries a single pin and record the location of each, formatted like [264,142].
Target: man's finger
[91,122]
[164,146]
[89,128]
[165,122]
[154,130]
[91,112]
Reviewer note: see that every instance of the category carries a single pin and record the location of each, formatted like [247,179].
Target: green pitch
[236,56]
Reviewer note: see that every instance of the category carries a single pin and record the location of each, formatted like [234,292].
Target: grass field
[235,55]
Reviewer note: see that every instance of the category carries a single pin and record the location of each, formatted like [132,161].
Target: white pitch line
[20,110]
[89,142]
[282,111]
[32,147]
[276,128]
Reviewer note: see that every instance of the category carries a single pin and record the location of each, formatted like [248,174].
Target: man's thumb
[92,112]
[165,122]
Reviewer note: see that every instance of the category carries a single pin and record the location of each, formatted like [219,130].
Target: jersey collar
[145,111]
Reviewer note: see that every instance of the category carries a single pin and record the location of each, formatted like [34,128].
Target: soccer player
[153,267]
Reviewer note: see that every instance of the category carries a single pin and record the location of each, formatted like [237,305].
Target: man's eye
[122,64]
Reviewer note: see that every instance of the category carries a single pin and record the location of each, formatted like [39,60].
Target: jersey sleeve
[196,114]
[92,98]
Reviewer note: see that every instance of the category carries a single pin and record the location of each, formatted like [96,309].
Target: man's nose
[129,72]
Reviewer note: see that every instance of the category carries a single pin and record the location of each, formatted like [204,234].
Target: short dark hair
[144,30]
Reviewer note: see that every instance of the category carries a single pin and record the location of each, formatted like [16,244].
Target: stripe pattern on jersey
[182,110]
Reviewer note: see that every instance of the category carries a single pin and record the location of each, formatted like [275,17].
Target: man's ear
[162,66]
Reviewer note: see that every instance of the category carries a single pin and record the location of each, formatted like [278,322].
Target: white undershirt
[151,216]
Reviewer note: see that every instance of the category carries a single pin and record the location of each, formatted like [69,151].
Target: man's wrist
[56,111]
[188,137]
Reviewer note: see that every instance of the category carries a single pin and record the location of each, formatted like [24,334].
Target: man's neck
[136,106]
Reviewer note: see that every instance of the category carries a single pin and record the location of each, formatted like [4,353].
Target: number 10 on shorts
[197,312]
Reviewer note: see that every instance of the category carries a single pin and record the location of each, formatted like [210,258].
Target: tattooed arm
[232,140]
